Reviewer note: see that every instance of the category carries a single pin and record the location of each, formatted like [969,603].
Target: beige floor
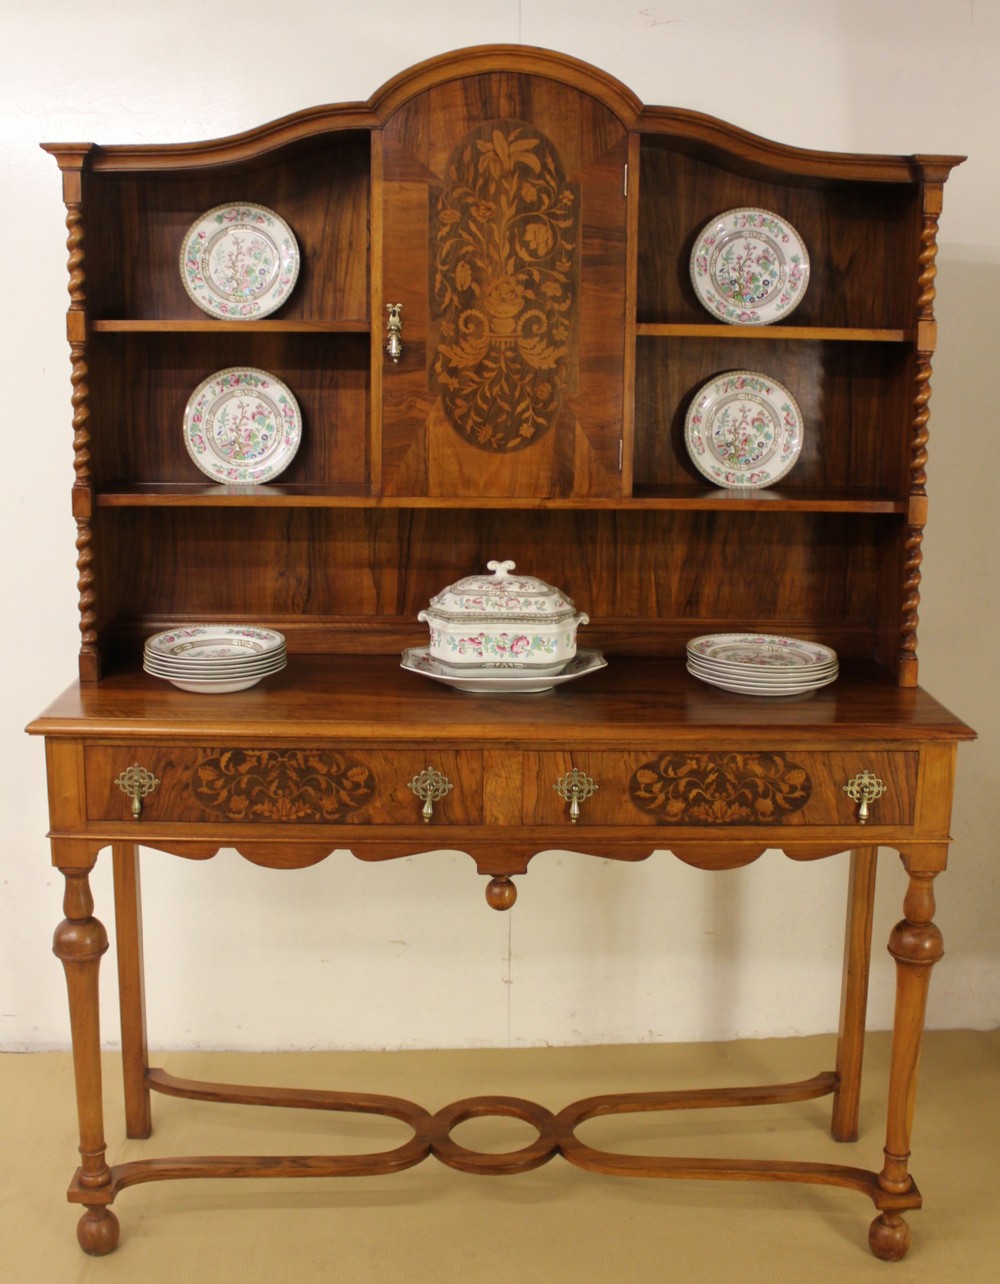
[552,1225]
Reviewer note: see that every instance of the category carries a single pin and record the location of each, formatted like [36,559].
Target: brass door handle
[394,331]
[430,786]
[864,788]
[576,787]
[136,782]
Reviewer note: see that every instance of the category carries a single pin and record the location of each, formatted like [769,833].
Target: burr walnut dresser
[494,340]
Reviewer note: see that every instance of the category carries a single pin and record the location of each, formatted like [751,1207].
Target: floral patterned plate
[749,267]
[215,686]
[771,681]
[500,681]
[239,262]
[214,642]
[213,670]
[761,664]
[740,687]
[214,658]
[242,425]
[743,429]
[749,652]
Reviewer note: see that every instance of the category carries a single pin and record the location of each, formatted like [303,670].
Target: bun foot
[889,1237]
[98,1231]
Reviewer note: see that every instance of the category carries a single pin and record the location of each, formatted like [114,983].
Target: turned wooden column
[79,942]
[131,989]
[916,945]
[854,994]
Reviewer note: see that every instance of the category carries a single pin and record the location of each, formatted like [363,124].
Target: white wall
[407,953]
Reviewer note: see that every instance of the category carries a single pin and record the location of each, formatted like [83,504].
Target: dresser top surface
[632,700]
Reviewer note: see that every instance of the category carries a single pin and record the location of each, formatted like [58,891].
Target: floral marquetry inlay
[504,278]
[281,784]
[720,789]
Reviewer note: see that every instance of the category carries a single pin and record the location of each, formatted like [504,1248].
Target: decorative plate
[775,693]
[755,680]
[500,681]
[242,425]
[213,672]
[214,686]
[239,262]
[743,429]
[760,651]
[772,681]
[206,642]
[749,267]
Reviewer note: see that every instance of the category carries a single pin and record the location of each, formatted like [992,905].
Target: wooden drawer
[719,789]
[286,785]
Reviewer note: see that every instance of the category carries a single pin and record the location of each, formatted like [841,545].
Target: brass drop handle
[136,782]
[576,787]
[394,331]
[864,788]
[430,786]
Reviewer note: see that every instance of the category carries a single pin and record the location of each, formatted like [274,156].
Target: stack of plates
[761,664]
[214,657]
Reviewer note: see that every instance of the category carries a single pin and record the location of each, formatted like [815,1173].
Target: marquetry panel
[719,789]
[504,240]
[287,784]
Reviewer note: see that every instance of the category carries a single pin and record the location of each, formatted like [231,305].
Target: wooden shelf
[196,495]
[773,499]
[150,326]
[199,495]
[813,333]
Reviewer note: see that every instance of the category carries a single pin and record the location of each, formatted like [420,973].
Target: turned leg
[854,994]
[79,942]
[131,989]
[916,945]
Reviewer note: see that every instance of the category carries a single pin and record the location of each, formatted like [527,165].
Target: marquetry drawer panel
[673,788]
[285,785]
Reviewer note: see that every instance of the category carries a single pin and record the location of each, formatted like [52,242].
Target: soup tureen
[503,621]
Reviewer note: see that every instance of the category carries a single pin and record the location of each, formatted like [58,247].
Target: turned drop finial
[501,893]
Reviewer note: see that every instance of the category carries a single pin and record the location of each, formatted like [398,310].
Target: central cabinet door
[504,240]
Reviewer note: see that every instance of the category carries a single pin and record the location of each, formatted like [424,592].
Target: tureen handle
[500,569]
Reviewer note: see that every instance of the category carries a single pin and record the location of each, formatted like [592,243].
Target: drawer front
[718,789]
[342,786]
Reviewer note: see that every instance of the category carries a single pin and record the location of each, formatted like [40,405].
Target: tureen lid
[502,594]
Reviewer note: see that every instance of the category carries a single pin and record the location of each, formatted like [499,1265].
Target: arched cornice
[519,59]
[754,153]
[694,130]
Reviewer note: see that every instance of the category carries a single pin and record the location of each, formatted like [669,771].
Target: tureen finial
[500,569]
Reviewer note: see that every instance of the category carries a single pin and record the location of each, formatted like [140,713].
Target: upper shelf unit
[536,222]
